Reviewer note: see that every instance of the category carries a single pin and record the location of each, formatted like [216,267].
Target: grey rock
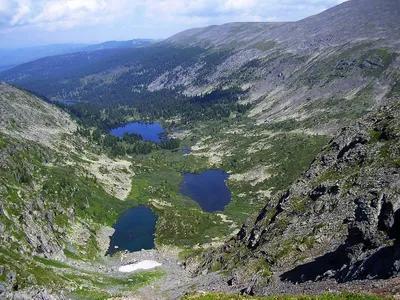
[3,288]
[349,226]
[11,277]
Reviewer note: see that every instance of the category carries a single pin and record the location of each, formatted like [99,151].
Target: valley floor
[178,280]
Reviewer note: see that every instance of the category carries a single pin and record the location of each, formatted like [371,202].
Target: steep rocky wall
[340,220]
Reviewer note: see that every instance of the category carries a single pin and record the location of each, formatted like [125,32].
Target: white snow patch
[143,265]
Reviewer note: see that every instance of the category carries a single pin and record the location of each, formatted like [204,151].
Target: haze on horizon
[25,23]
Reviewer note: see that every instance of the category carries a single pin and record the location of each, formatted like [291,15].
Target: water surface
[134,230]
[208,189]
[186,150]
[149,131]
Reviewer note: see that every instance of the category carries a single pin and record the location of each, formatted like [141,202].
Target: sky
[26,23]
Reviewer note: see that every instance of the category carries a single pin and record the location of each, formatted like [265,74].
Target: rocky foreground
[340,222]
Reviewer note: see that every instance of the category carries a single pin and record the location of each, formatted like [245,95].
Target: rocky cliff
[340,220]
[51,204]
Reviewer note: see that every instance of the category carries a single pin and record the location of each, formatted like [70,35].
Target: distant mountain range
[12,57]
[257,100]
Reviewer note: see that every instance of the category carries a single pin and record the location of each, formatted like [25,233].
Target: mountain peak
[349,21]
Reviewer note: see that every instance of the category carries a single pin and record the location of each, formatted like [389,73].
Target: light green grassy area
[181,221]
[57,276]
[327,296]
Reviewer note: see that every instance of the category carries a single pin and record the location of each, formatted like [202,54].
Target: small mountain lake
[208,189]
[149,131]
[134,230]
[186,150]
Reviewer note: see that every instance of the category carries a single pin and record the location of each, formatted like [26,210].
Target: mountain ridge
[288,68]
[380,15]
[339,221]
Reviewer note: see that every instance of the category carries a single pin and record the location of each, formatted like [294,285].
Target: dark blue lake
[134,230]
[149,131]
[186,150]
[208,189]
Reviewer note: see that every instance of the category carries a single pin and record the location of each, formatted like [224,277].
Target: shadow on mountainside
[353,261]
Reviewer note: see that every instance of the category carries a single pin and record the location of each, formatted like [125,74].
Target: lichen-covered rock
[340,220]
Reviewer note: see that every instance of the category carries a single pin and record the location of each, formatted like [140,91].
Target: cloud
[58,14]
[238,5]
[66,14]
[220,11]
[5,6]
[23,9]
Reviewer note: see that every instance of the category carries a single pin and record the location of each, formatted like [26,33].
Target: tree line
[130,143]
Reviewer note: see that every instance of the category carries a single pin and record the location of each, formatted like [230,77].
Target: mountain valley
[300,118]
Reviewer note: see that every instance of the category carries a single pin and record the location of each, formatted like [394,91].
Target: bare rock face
[32,294]
[28,217]
[22,114]
[341,220]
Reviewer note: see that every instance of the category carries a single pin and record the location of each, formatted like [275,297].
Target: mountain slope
[43,123]
[347,22]
[53,201]
[292,67]
[339,221]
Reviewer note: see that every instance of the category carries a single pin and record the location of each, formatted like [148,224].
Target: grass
[122,284]
[263,268]
[182,222]
[90,295]
[326,296]
[71,255]
[51,262]
[57,195]
[335,109]
[264,45]
[59,276]
[92,202]
[387,58]
[37,271]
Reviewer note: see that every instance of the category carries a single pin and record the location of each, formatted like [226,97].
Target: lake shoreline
[208,189]
[134,231]
[150,131]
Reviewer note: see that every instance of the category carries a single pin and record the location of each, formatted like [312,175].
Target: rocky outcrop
[36,203]
[340,220]
[30,218]
[22,114]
